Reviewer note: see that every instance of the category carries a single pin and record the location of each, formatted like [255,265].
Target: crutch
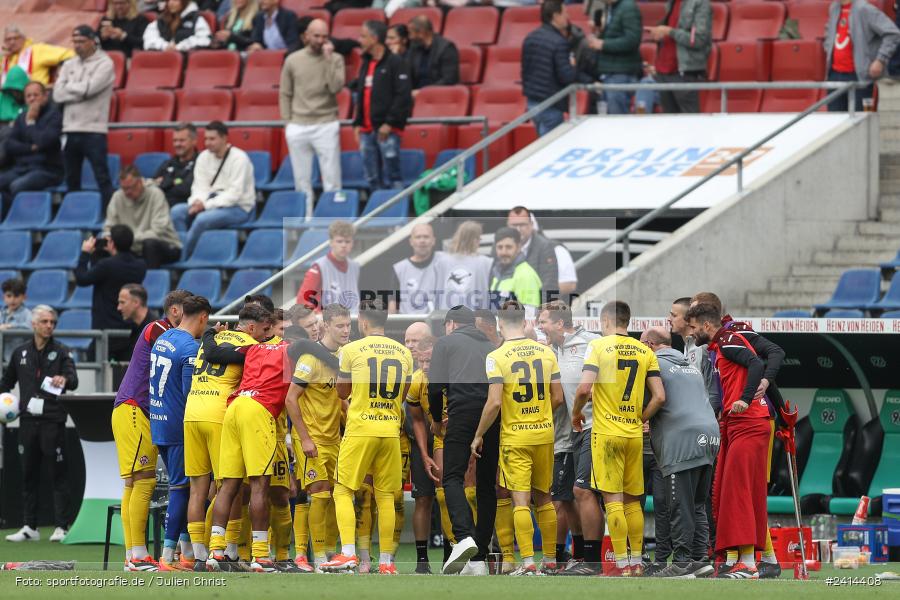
[786,435]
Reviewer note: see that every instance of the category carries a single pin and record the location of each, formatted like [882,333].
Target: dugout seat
[212,69]
[395,215]
[144,106]
[517,22]
[471,25]
[48,286]
[263,70]
[215,248]
[75,318]
[29,211]
[204,105]
[151,70]
[15,250]
[811,17]
[241,282]
[264,248]
[854,481]
[503,65]
[347,22]
[280,205]
[891,300]
[886,474]
[404,15]
[82,297]
[158,283]
[751,21]
[201,282]
[148,163]
[471,61]
[857,288]
[307,242]
[79,210]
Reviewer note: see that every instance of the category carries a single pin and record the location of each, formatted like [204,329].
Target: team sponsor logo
[878,361]
[825,362]
[490,364]
[702,440]
[52,356]
[610,556]
[304,369]
[830,399]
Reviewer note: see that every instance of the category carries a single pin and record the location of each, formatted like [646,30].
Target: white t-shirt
[565,266]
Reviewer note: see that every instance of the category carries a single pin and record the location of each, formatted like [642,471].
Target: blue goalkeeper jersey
[171,368]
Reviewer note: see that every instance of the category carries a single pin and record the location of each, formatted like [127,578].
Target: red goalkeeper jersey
[266,376]
[740,371]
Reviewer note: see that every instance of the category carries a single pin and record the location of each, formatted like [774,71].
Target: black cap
[85,31]
[460,314]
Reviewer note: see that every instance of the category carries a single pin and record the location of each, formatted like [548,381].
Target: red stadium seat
[469,25]
[119,67]
[755,21]
[348,139]
[404,15]
[712,63]
[810,16]
[523,135]
[265,139]
[256,105]
[352,62]
[720,21]
[204,105]
[113,108]
[740,61]
[301,5]
[652,14]
[128,143]
[137,106]
[347,22]
[212,69]
[518,22]
[210,18]
[794,60]
[578,17]
[152,70]
[316,13]
[442,101]
[263,69]
[429,138]
[470,64]
[503,65]
[345,104]
[648,52]
[500,105]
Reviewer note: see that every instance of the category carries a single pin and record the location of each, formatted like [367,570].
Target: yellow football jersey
[211,384]
[525,368]
[623,365]
[418,395]
[319,404]
[379,367]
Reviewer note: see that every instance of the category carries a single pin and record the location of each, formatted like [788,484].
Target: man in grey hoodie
[696,355]
[685,439]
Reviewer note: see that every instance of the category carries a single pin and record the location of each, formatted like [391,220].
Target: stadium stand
[212,69]
[59,250]
[264,248]
[82,297]
[215,248]
[155,70]
[472,26]
[857,288]
[29,211]
[47,286]
[15,250]
[242,281]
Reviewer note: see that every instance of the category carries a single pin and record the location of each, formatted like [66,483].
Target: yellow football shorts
[404,457]
[360,456]
[525,467]
[281,466]
[617,464]
[202,442]
[320,468]
[131,430]
[249,442]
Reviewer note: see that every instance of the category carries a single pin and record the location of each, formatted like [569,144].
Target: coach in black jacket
[458,367]
[433,59]
[285,20]
[42,425]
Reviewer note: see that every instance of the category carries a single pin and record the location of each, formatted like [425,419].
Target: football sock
[546,520]
[232,538]
[473,504]
[524,531]
[505,526]
[207,524]
[399,517]
[331,528]
[560,550]
[346,520]
[577,547]
[364,509]
[138,509]
[386,519]
[446,525]
[196,530]
[592,551]
[422,551]
[168,553]
[176,516]
[768,554]
[281,527]
[260,545]
[618,532]
[731,556]
[301,527]
[217,539]
[126,523]
[634,518]
[318,507]
[187,550]
[448,548]
[748,556]
[246,534]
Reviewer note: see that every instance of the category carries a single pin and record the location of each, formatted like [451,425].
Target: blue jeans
[216,218]
[22,178]
[90,146]
[840,104]
[381,161]
[618,103]
[650,98]
[546,121]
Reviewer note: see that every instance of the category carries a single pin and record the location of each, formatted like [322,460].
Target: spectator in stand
[335,276]
[464,274]
[36,59]
[685,40]
[223,192]
[859,42]
[383,105]
[122,29]
[618,47]
[84,88]
[310,81]
[176,176]
[14,314]
[143,208]
[416,283]
[274,28]
[397,41]
[433,59]
[512,278]
[33,146]
[546,66]
[12,103]
[237,27]
[536,249]
[179,27]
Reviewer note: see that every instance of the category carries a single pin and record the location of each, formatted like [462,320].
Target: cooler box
[786,542]
[890,514]
[871,538]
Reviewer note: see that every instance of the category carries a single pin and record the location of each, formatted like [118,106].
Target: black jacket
[545,64]
[541,256]
[391,101]
[134,34]
[44,134]
[442,63]
[177,179]
[108,275]
[458,367]
[28,366]
[286,20]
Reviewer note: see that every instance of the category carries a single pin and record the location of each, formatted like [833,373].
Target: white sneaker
[475,568]
[58,534]
[465,549]
[26,534]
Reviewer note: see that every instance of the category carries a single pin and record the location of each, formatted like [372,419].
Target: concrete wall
[748,238]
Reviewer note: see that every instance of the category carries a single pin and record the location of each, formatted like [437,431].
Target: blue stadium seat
[76,318]
[148,163]
[30,210]
[342,205]
[158,283]
[242,282]
[47,287]
[8,274]
[262,166]
[280,205]
[201,282]
[791,314]
[394,216]
[845,313]
[88,181]
[894,264]
[447,155]
[82,297]
[353,176]
[60,250]
[264,248]
[79,210]
[309,240]
[15,249]
[215,248]
[283,180]
[891,300]
[891,314]
[412,163]
[857,288]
